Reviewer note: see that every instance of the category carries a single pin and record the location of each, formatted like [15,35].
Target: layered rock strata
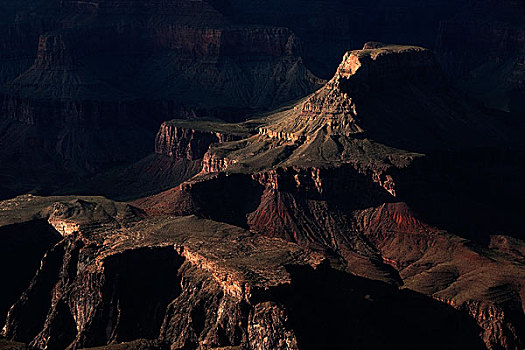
[344,172]
[191,283]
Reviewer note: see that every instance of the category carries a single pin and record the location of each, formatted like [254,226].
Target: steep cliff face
[192,283]
[386,242]
[204,301]
[23,245]
[380,63]
[197,46]
[178,141]
[215,42]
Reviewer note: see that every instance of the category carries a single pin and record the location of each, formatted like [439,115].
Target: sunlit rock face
[337,172]
[180,142]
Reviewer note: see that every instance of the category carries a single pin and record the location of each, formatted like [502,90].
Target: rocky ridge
[385,191]
[303,177]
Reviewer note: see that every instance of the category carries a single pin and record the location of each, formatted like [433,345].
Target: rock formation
[378,209]
[185,282]
[181,151]
[344,170]
[160,60]
[178,140]
[117,68]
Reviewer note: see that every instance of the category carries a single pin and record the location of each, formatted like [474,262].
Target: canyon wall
[193,283]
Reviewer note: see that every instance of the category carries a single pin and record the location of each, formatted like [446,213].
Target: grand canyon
[226,174]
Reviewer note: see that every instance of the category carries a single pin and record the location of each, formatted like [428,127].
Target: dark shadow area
[473,194]
[141,284]
[470,181]
[22,247]
[329,309]
[425,114]
[149,176]
[228,198]
[343,187]
[339,26]
[28,315]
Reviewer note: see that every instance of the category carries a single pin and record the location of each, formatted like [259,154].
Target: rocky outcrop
[502,325]
[349,105]
[192,283]
[181,142]
[384,242]
[212,163]
[214,313]
[380,63]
